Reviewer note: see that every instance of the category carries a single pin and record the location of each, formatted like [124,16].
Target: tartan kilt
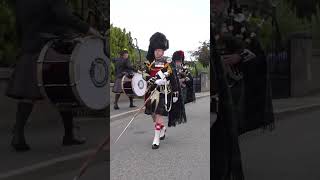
[117,88]
[23,83]
[152,108]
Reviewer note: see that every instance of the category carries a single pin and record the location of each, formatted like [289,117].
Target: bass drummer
[37,21]
[123,67]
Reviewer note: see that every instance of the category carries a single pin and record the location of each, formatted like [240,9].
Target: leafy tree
[202,54]
[305,9]
[196,67]
[94,12]
[8,37]
[289,22]
[121,39]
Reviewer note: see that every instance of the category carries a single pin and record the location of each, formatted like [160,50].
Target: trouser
[24,110]
[118,97]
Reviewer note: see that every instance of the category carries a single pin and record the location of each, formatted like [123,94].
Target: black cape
[258,112]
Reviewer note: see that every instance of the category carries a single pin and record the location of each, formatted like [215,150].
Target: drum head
[90,72]
[139,85]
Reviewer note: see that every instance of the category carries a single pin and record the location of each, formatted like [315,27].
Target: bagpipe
[234,29]
[236,33]
[184,73]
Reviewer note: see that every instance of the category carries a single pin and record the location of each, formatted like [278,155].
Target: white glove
[166,74]
[175,99]
[160,82]
[248,55]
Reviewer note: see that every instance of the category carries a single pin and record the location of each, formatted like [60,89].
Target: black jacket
[122,66]
[38,17]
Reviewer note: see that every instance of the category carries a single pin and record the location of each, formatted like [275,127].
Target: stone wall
[305,65]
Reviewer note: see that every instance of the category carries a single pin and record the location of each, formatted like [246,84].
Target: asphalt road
[96,172]
[290,152]
[184,154]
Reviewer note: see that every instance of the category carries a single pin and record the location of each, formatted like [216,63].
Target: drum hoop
[122,79]
[72,76]
[40,61]
[72,71]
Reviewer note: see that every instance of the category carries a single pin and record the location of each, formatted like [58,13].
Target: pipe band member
[185,77]
[123,67]
[37,23]
[164,91]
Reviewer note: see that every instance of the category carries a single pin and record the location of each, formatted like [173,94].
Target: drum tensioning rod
[85,165]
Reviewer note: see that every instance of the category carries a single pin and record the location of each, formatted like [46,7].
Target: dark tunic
[122,67]
[187,89]
[257,95]
[177,114]
[226,157]
[35,20]
[244,107]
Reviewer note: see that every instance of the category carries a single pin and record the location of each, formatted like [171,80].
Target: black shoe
[132,106]
[72,141]
[154,146]
[116,107]
[21,146]
[163,137]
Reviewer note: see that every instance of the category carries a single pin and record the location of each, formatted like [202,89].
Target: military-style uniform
[185,77]
[157,103]
[122,67]
[38,21]
[163,83]
[234,89]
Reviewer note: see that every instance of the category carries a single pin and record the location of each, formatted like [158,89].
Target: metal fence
[279,71]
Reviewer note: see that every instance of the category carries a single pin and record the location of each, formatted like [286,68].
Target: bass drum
[75,73]
[135,86]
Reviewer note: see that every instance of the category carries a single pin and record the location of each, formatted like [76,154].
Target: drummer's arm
[129,66]
[64,15]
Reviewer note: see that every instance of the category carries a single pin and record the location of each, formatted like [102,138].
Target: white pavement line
[124,113]
[133,111]
[44,164]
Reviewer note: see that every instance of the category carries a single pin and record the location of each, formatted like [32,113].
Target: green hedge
[8,37]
